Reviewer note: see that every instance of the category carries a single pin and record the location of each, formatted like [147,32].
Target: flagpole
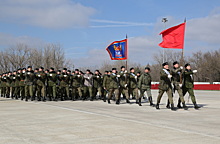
[164,20]
[182,55]
[126,62]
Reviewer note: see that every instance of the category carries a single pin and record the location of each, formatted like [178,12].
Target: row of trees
[21,55]
[52,55]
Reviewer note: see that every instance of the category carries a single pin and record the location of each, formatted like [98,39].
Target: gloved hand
[126,85]
[194,71]
[135,77]
[181,67]
[169,76]
[180,85]
[118,75]
[50,74]
[78,75]
[97,76]
[126,71]
[38,75]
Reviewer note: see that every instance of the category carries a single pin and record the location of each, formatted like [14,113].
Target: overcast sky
[85,28]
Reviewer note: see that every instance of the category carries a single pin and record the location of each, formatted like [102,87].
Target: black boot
[168,104]
[109,102]
[26,99]
[104,99]
[179,104]
[151,101]
[127,101]
[117,102]
[157,106]
[196,106]
[139,102]
[172,107]
[184,106]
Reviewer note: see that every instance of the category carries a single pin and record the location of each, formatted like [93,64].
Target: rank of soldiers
[42,85]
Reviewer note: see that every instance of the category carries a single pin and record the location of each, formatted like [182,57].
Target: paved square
[98,122]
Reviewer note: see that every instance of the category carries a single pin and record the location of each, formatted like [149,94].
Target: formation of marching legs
[43,85]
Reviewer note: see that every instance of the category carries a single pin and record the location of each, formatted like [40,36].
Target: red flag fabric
[173,37]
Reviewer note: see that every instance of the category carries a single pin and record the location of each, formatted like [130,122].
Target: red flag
[173,37]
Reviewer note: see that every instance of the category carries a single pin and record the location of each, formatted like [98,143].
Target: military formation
[49,85]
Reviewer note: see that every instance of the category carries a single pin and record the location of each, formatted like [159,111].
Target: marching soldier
[176,73]
[134,86]
[188,84]
[52,84]
[77,83]
[64,84]
[3,83]
[29,82]
[124,81]
[165,85]
[13,86]
[22,84]
[114,86]
[88,85]
[106,83]
[97,83]
[144,84]
[41,84]
[17,86]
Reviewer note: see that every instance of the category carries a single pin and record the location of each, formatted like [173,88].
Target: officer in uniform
[13,86]
[97,83]
[106,83]
[144,84]
[29,82]
[41,84]
[52,83]
[64,84]
[114,86]
[133,86]
[77,83]
[88,85]
[165,85]
[124,83]
[176,77]
[22,84]
[17,86]
[188,84]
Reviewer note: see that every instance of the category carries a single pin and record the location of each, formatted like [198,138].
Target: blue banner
[118,50]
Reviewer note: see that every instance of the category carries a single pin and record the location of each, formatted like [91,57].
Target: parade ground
[96,122]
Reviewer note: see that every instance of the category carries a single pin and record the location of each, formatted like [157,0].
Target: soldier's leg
[38,92]
[110,94]
[31,91]
[117,96]
[85,92]
[170,96]
[150,96]
[26,92]
[193,98]
[43,91]
[80,92]
[67,92]
[161,92]
[54,92]
[22,92]
[125,91]
[91,93]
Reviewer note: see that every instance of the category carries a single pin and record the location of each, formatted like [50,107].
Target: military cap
[147,68]
[51,68]
[14,71]
[122,67]
[187,65]
[176,62]
[37,69]
[76,69]
[47,70]
[23,68]
[29,66]
[81,72]
[110,71]
[59,71]
[69,70]
[97,70]
[166,63]
[9,72]
[88,70]
[41,67]
[114,69]
[64,68]
[106,71]
[131,68]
